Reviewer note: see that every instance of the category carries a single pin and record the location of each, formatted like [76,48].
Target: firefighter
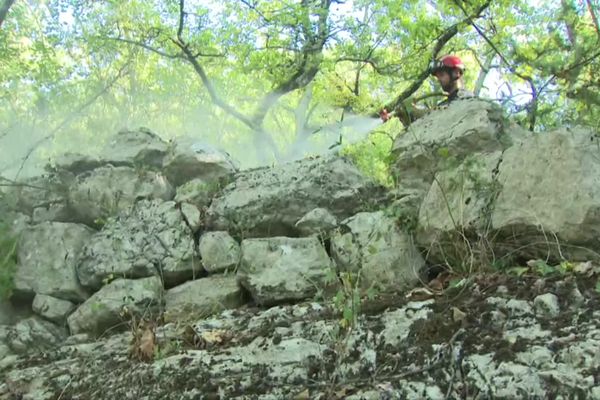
[449,71]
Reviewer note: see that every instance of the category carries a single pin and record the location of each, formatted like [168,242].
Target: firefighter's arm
[406,112]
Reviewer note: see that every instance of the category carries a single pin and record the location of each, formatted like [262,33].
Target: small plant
[347,300]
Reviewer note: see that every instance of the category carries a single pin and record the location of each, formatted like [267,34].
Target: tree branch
[594,17]
[439,45]
[4,10]
[181,19]
[144,46]
[308,66]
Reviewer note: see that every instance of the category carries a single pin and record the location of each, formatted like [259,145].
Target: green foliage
[74,72]
[8,260]
[348,297]
[372,156]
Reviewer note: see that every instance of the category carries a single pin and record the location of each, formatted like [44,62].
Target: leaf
[348,314]
[598,286]
[443,152]
[458,315]
[372,249]
[458,282]
[216,336]
[371,293]
[518,271]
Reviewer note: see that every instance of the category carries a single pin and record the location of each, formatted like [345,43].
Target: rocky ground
[497,337]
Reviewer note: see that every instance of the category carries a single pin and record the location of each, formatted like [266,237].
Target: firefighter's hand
[385,115]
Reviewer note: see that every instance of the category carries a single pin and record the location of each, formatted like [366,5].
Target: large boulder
[189,159]
[444,137]
[372,245]
[550,198]
[33,334]
[454,217]
[47,255]
[152,238]
[281,269]
[269,201]
[115,302]
[106,191]
[140,147]
[202,297]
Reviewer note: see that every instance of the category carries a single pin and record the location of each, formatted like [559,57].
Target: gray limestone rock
[47,257]
[373,244]
[269,201]
[202,297]
[219,252]
[188,159]
[106,191]
[283,269]
[152,238]
[115,303]
[51,308]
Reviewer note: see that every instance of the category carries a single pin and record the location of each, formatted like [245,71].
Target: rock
[372,244]
[51,308]
[202,297]
[43,197]
[191,216]
[518,308]
[269,201]
[397,323]
[152,238]
[4,350]
[47,256]
[74,163]
[290,351]
[511,380]
[458,207]
[547,305]
[432,143]
[316,222]
[18,223]
[283,269]
[219,252]
[106,191]
[197,192]
[33,334]
[550,197]
[189,159]
[141,148]
[115,302]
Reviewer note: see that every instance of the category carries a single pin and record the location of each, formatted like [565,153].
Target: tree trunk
[4,10]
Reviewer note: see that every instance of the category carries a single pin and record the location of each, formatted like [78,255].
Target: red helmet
[447,62]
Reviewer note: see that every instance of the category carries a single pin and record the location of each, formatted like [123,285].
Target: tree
[4,7]
[277,75]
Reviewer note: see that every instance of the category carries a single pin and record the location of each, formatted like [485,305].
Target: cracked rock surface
[399,348]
